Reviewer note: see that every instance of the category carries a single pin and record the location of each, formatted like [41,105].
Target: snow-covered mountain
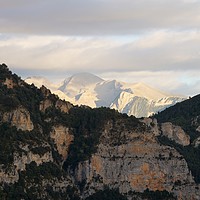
[136,99]
[38,81]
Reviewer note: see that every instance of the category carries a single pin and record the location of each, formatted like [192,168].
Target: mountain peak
[138,99]
[84,79]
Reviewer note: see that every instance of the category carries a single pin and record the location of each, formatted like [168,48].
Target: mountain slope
[187,115]
[50,149]
[39,81]
[136,99]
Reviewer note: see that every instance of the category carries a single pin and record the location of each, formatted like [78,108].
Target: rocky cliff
[62,138]
[175,133]
[137,164]
[50,149]
[20,117]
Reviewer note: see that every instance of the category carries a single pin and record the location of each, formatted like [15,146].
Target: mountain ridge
[50,149]
[88,89]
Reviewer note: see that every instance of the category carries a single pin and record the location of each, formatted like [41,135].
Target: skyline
[156,41]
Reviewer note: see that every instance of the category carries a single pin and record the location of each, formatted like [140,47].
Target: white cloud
[157,51]
[177,82]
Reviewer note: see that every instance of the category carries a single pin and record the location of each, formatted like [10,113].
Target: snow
[38,81]
[136,99]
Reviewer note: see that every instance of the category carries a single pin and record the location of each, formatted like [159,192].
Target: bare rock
[20,161]
[10,176]
[19,164]
[152,124]
[140,163]
[45,104]
[46,92]
[175,133]
[63,106]
[20,118]
[62,138]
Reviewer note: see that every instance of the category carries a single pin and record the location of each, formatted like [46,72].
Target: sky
[152,41]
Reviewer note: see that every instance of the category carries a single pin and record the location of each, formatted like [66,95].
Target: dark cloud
[97,17]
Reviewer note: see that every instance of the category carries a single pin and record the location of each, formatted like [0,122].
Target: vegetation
[12,139]
[113,194]
[40,150]
[88,125]
[33,184]
[107,194]
[6,147]
[153,195]
[21,94]
[4,72]
[183,114]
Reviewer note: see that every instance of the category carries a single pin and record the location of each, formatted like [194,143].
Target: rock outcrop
[175,133]
[137,164]
[62,138]
[20,118]
[20,161]
[63,106]
[10,176]
[152,124]
[45,104]
[46,92]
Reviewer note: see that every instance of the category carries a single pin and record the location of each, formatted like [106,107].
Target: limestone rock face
[20,161]
[19,164]
[46,92]
[45,104]
[20,118]
[175,133]
[137,164]
[152,124]
[62,138]
[8,177]
[63,106]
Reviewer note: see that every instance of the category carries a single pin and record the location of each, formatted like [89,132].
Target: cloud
[175,82]
[97,17]
[156,51]
[165,59]
[119,37]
